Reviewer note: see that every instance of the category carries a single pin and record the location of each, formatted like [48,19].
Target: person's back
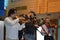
[30,29]
[1,30]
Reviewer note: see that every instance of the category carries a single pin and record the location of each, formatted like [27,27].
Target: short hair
[32,13]
[11,11]
[46,18]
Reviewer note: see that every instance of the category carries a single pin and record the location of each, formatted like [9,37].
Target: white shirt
[1,30]
[39,35]
[21,26]
[11,28]
[45,28]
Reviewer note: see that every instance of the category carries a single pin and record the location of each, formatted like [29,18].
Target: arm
[23,25]
[45,28]
[12,22]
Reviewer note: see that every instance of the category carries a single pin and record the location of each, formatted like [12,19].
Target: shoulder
[6,18]
[43,25]
[1,21]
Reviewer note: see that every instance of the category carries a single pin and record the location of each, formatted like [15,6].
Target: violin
[15,17]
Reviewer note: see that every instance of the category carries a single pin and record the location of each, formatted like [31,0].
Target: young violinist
[12,25]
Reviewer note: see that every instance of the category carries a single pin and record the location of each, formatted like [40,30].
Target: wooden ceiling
[53,0]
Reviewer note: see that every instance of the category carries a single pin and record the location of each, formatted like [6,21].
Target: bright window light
[5,3]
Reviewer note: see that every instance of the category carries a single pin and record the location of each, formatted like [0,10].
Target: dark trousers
[48,37]
[20,33]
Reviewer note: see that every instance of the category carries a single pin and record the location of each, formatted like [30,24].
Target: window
[5,3]
[15,0]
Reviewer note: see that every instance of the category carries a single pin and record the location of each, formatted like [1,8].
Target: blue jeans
[29,37]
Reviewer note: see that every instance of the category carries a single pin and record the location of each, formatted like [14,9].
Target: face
[28,20]
[13,15]
[47,20]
